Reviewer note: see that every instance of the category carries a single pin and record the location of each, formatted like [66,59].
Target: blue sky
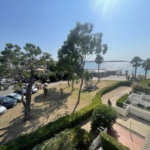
[125,24]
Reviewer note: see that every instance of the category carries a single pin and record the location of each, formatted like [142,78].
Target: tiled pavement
[121,134]
[126,137]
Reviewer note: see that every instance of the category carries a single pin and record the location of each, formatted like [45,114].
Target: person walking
[109,102]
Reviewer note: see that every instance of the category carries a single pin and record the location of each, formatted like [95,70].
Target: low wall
[139,113]
[122,111]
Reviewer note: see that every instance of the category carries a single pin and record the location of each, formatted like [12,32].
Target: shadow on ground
[42,108]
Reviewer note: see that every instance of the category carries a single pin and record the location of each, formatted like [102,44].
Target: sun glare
[106,5]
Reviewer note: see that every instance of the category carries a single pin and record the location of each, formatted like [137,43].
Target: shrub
[28,141]
[109,143]
[140,78]
[140,105]
[121,100]
[146,82]
[67,139]
[52,76]
[148,107]
[140,87]
[103,115]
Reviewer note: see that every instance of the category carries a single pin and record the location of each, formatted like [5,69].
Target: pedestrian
[109,102]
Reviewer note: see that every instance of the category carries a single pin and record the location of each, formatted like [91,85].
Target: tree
[88,79]
[103,115]
[99,48]
[69,58]
[51,65]
[22,65]
[136,62]
[146,66]
[98,60]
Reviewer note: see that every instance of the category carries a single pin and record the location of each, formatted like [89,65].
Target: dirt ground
[45,109]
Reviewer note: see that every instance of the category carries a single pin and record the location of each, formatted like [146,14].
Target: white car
[2,110]
[15,96]
[3,81]
[33,90]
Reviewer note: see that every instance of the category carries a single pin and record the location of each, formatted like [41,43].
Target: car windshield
[6,99]
[17,95]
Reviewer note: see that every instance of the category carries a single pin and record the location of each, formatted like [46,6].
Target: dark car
[8,102]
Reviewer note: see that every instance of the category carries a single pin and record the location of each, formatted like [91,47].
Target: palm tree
[146,66]
[99,60]
[136,62]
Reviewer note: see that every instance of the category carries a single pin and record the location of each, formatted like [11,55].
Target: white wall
[122,111]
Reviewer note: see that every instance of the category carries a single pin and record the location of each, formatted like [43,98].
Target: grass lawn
[45,109]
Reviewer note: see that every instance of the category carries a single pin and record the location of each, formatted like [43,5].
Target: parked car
[15,96]
[3,81]
[2,110]
[8,102]
[33,90]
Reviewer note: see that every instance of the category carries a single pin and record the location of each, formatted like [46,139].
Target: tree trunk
[145,74]
[68,81]
[98,73]
[72,86]
[28,101]
[135,74]
[80,89]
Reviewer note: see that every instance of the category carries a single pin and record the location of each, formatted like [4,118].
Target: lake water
[116,65]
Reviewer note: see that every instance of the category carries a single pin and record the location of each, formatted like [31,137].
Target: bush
[140,105]
[67,139]
[103,115]
[140,87]
[121,100]
[109,143]
[28,141]
[148,107]
[52,76]
[146,82]
[140,78]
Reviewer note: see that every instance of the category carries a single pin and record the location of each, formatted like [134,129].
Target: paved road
[118,78]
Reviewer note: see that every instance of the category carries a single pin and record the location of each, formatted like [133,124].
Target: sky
[125,24]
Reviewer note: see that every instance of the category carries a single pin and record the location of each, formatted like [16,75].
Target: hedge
[109,143]
[121,100]
[146,82]
[68,139]
[28,141]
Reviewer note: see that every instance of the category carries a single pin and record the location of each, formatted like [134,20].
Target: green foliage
[146,82]
[140,105]
[51,65]
[87,76]
[103,115]
[52,76]
[121,100]
[28,141]
[69,139]
[140,87]
[146,66]
[148,107]
[140,78]
[109,143]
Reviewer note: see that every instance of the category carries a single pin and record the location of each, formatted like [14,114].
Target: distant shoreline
[110,61]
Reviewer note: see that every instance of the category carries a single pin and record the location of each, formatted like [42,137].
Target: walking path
[126,137]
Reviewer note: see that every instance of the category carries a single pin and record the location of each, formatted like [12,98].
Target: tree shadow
[43,109]
[113,133]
